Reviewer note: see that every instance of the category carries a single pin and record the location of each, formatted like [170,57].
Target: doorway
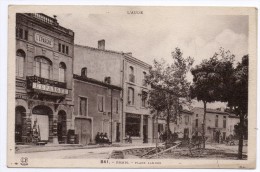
[42,117]
[145,129]
[19,115]
[186,133]
[83,130]
[61,127]
[117,132]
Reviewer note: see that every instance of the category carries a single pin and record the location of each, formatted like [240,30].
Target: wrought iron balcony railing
[37,79]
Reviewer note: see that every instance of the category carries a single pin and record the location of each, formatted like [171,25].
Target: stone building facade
[44,55]
[183,125]
[95,101]
[125,71]
[216,123]
[137,120]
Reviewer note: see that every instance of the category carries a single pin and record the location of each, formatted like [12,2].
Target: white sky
[155,35]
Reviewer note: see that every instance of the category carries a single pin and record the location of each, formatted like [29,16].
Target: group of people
[101,138]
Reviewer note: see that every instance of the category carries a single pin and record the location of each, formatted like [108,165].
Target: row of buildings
[67,89]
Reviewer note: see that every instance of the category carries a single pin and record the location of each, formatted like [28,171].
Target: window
[216,121]
[26,34]
[144,98]
[143,81]
[116,105]
[63,48]
[133,124]
[131,74]
[62,72]
[83,106]
[84,72]
[20,57]
[59,47]
[224,122]
[67,50]
[186,120]
[197,122]
[100,103]
[43,67]
[22,33]
[197,115]
[131,98]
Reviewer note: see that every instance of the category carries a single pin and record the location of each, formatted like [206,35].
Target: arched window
[131,96]
[131,69]
[20,57]
[84,72]
[143,81]
[62,72]
[43,67]
[131,74]
[144,98]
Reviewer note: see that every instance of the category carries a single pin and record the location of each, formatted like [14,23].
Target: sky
[154,35]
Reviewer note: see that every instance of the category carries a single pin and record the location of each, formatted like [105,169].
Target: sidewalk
[57,147]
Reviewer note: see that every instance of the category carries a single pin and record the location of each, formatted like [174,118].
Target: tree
[238,98]
[169,84]
[209,81]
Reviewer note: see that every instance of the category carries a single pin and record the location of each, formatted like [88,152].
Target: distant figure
[105,138]
[128,138]
[35,132]
[97,138]
[101,137]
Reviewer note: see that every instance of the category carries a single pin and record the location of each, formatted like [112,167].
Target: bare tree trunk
[168,125]
[204,123]
[241,134]
[157,133]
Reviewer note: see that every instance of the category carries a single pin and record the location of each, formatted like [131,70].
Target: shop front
[137,127]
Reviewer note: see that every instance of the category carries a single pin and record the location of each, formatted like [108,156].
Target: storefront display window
[133,123]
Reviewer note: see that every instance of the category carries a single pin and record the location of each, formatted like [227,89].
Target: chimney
[101,44]
[129,53]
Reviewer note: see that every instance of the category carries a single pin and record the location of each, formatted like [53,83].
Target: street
[104,152]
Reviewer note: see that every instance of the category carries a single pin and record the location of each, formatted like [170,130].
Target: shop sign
[20,84]
[44,40]
[49,88]
[21,96]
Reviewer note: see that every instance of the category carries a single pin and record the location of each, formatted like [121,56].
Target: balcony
[44,18]
[37,79]
[132,78]
[50,21]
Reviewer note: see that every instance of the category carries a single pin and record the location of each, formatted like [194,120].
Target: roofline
[212,111]
[93,81]
[186,111]
[93,48]
[131,58]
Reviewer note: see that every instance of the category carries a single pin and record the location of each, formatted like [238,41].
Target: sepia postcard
[132,87]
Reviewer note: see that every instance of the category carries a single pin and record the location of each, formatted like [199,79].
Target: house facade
[97,109]
[137,120]
[216,123]
[232,121]
[125,71]
[97,80]
[183,125]
[43,96]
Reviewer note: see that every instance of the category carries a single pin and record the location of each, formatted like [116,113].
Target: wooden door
[83,130]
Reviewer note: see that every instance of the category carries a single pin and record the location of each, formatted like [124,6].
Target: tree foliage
[238,94]
[210,81]
[169,84]
[210,78]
